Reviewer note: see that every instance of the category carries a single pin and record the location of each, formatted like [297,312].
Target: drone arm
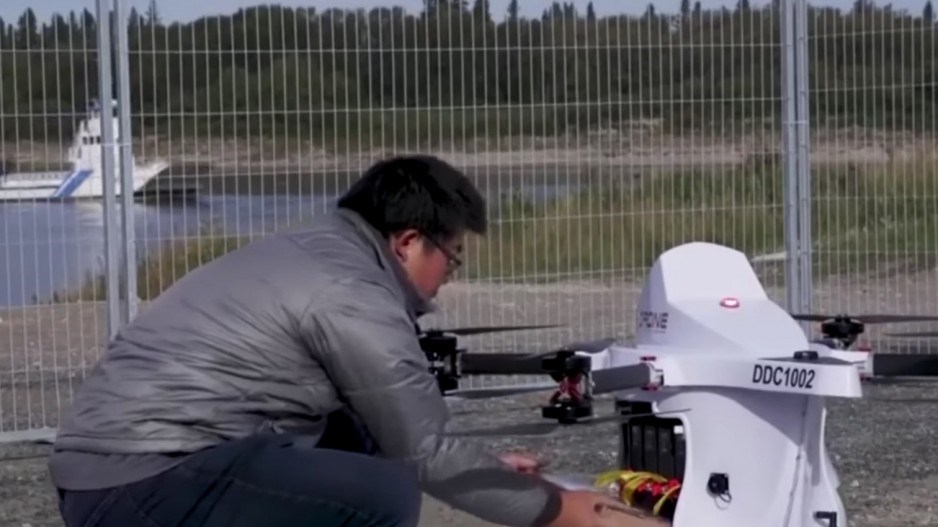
[500,364]
[620,378]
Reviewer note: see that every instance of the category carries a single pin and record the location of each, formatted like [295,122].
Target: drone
[717,369]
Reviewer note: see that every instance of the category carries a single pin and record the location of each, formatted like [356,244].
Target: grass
[863,219]
[155,274]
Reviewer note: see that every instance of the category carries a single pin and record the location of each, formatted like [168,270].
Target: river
[47,247]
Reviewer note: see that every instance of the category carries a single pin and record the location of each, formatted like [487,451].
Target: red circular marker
[730,303]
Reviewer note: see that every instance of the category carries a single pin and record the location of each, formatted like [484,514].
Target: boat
[85,179]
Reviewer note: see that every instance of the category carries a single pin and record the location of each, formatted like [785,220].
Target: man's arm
[364,339]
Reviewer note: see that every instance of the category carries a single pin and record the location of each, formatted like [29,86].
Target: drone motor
[573,399]
[441,351]
[843,330]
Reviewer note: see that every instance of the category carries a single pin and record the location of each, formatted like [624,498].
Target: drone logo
[653,320]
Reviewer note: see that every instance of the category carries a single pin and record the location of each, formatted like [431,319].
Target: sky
[187,10]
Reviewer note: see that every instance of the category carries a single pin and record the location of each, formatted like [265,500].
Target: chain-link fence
[599,138]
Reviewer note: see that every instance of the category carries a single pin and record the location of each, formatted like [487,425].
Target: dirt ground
[882,445]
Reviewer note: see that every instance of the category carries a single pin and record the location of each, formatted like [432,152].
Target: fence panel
[50,251]
[600,140]
[873,156]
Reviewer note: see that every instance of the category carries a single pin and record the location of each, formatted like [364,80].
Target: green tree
[341,74]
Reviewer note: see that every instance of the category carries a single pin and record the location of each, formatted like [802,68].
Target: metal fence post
[106,98]
[129,263]
[790,134]
[805,278]
[794,20]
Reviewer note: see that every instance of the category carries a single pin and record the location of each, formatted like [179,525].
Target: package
[647,491]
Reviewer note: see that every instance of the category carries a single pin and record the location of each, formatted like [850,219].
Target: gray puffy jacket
[275,336]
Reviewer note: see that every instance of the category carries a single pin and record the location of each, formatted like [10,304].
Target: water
[51,247]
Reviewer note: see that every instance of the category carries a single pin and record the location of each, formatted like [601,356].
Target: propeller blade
[590,346]
[866,319]
[811,318]
[532,429]
[586,346]
[475,330]
[522,363]
[499,391]
[885,319]
[548,427]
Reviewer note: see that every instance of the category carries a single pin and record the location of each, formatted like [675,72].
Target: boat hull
[81,184]
[85,179]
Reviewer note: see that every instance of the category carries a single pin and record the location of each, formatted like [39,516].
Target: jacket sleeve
[365,340]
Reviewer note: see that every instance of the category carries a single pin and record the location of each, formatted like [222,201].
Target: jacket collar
[416,305]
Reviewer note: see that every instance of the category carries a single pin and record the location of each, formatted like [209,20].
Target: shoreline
[599,150]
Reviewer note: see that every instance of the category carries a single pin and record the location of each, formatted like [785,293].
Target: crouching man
[282,384]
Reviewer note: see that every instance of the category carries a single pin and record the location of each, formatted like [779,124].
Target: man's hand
[583,508]
[520,462]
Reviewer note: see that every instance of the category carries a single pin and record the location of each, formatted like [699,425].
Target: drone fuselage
[721,390]
[736,405]
[757,423]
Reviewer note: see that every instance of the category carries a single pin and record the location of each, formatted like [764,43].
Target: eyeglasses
[453,261]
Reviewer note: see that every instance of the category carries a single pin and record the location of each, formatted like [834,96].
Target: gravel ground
[883,444]
[883,447]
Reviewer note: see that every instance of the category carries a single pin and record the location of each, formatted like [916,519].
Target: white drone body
[751,416]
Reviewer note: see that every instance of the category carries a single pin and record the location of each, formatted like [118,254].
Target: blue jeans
[267,480]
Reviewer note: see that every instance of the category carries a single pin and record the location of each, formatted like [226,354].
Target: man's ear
[404,242]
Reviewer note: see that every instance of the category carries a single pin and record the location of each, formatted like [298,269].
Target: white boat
[85,180]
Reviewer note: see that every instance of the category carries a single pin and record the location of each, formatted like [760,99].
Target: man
[282,384]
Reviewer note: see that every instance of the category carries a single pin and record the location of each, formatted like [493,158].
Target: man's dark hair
[419,192]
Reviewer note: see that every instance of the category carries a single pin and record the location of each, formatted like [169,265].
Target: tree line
[457,70]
